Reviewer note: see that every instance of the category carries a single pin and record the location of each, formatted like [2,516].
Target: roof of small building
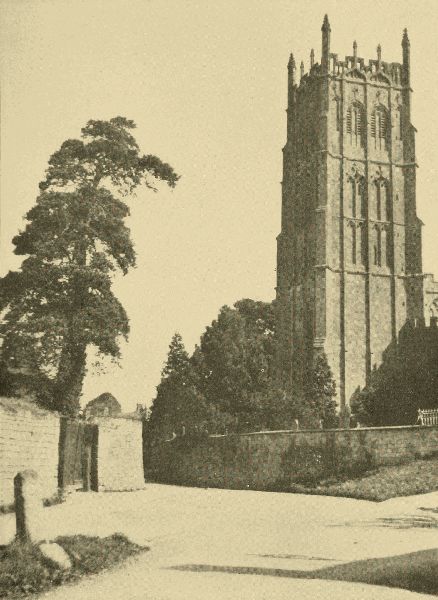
[107,399]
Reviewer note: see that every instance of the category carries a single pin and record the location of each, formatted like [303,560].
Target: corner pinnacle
[326,24]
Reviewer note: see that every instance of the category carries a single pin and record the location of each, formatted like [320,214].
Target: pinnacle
[326,24]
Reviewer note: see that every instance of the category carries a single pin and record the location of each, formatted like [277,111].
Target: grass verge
[24,570]
[417,477]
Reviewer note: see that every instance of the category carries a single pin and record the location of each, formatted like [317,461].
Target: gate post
[28,506]
[89,458]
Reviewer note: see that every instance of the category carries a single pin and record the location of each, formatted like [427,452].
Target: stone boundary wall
[29,438]
[272,460]
[119,454]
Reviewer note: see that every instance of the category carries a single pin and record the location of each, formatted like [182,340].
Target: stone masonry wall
[29,439]
[120,454]
[269,460]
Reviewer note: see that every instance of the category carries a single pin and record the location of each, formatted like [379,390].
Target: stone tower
[349,268]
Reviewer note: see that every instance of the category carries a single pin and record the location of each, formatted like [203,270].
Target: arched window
[377,247]
[355,124]
[387,197]
[398,129]
[379,127]
[388,249]
[383,247]
[381,196]
[356,243]
[361,198]
[378,200]
[356,203]
[353,197]
[338,113]
[362,243]
[353,243]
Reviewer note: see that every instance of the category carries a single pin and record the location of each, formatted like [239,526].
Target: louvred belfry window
[379,127]
[355,124]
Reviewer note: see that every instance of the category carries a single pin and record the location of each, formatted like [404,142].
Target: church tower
[349,269]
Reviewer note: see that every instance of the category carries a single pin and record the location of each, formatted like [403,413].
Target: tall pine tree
[60,302]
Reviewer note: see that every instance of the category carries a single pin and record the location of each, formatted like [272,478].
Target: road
[220,544]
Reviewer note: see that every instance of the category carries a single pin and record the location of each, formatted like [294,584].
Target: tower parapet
[356,67]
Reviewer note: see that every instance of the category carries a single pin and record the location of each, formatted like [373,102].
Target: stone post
[28,507]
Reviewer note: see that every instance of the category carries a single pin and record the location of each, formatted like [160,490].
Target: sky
[205,83]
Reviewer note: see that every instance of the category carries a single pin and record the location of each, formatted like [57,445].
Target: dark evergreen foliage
[406,380]
[60,302]
[179,406]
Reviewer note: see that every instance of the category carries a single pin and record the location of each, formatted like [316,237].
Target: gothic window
[353,197]
[378,200]
[362,243]
[357,198]
[433,309]
[382,204]
[383,247]
[379,127]
[387,197]
[355,124]
[388,249]
[377,247]
[361,198]
[353,243]
[338,112]
[399,123]
[356,244]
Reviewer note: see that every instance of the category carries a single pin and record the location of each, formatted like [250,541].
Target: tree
[321,404]
[60,302]
[7,387]
[405,381]
[179,406]
[234,363]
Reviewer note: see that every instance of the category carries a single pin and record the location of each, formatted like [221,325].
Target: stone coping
[352,429]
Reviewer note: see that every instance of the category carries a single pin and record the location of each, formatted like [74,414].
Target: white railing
[428,416]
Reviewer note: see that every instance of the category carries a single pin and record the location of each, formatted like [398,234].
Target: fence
[428,416]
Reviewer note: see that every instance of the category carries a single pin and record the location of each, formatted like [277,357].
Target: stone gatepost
[28,507]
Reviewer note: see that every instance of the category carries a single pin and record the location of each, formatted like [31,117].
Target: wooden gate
[77,455]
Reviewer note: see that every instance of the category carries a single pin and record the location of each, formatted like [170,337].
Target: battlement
[352,66]
[376,70]
[355,67]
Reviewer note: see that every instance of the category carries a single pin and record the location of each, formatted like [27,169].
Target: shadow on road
[427,521]
[416,571]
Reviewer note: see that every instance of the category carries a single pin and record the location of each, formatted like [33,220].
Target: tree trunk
[72,364]
[71,373]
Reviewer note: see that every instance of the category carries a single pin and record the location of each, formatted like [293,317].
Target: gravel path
[201,538]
